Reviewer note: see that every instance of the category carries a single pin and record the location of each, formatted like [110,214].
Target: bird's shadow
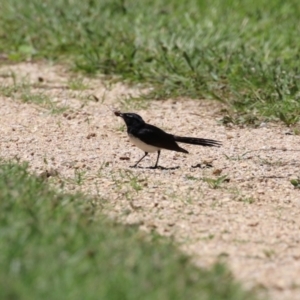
[156,168]
[200,166]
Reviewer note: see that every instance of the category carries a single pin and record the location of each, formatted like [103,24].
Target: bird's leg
[146,153]
[158,154]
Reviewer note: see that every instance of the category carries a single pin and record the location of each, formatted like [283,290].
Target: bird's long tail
[197,141]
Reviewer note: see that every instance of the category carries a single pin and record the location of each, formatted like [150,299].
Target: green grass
[245,53]
[216,183]
[56,246]
[21,88]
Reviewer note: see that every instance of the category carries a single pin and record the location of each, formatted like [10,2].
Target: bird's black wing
[155,136]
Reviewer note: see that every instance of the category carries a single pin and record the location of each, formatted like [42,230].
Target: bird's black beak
[118,114]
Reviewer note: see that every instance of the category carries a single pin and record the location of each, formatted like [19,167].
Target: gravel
[250,220]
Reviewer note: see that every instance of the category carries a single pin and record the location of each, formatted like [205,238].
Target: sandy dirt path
[249,218]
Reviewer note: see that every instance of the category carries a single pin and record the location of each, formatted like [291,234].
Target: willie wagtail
[150,138]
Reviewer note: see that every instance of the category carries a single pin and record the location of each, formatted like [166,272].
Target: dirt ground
[243,210]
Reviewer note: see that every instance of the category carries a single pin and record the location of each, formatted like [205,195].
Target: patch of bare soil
[243,210]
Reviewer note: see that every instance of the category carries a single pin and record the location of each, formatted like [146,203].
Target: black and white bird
[150,138]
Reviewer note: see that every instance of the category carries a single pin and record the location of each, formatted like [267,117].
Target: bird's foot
[134,166]
[154,167]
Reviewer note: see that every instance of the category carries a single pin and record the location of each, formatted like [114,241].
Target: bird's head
[130,119]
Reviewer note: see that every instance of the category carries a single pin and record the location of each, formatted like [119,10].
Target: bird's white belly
[145,147]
